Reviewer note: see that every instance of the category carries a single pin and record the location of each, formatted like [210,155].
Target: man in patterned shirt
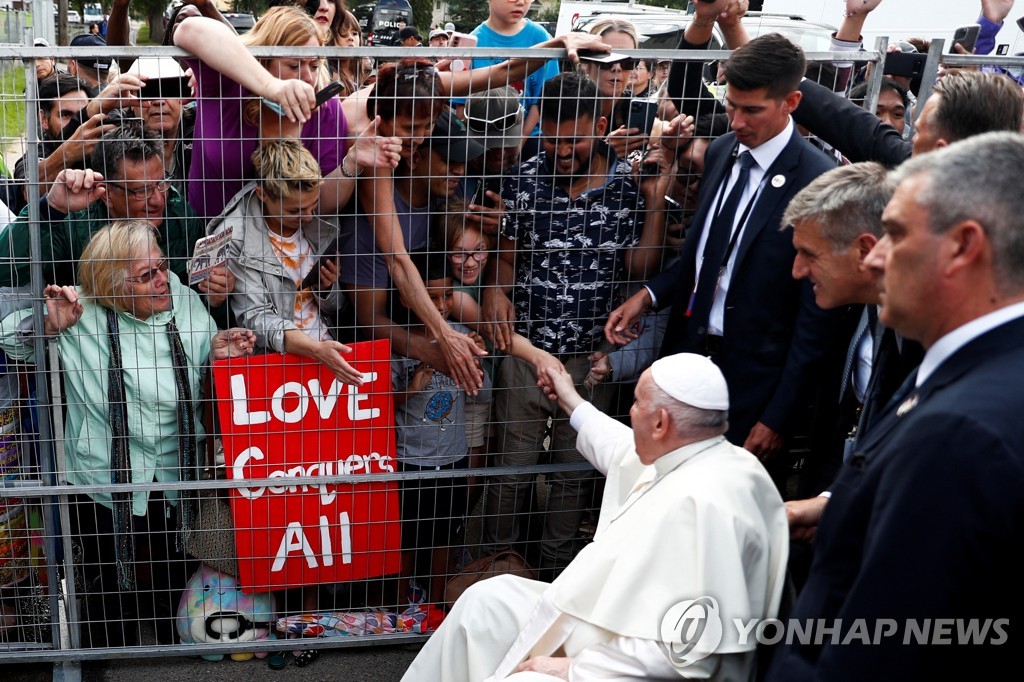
[577,229]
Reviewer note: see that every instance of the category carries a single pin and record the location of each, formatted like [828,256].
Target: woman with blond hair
[612,81]
[237,96]
[134,342]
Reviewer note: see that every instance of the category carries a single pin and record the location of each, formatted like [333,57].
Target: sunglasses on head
[481,125]
[411,72]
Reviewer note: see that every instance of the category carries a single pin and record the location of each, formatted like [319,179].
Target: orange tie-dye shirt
[297,257]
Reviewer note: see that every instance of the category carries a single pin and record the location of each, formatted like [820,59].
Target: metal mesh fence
[165,490]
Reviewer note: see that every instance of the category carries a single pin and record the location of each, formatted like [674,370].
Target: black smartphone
[1020,23]
[312,280]
[480,198]
[329,91]
[966,36]
[641,115]
[166,88]
[905,64]
[673,211]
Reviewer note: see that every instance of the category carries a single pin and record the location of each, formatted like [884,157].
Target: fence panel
[129,452]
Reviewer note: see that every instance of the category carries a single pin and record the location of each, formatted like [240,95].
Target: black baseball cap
[409,32]
[451,140]
[90,40]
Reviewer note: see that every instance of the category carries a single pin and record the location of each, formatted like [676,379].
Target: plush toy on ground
[214,609]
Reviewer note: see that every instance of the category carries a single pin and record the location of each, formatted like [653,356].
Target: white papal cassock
[703,520]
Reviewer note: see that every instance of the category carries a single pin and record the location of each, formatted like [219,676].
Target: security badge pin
[778,181]
[907,405]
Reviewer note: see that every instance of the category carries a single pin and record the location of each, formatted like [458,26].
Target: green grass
[143,37]
[12,101]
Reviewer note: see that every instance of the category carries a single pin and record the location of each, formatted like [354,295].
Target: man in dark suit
[836,222]
[963,104]
[731,294]
[926,517]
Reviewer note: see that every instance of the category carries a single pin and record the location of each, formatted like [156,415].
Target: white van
[928,19]
[661,28]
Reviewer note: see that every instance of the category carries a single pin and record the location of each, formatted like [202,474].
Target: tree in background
[153,11]
[422,13]
[550,12]
[467,14]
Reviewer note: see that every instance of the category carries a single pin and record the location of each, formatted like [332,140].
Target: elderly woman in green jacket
[134,343]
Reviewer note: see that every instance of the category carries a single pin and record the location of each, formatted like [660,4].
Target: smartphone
[480,198]
[1020,23]
[166,88]
[312,280]
[461,40]
[966,36]
[673,211]
[641,115]
[905,64]
[328,91]
[1003,49]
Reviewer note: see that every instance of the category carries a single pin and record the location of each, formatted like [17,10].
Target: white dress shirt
[764,156]
[949,344]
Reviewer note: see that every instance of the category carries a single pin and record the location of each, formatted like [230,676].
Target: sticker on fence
[282,416]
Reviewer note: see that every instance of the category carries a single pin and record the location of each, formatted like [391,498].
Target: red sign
[283,417]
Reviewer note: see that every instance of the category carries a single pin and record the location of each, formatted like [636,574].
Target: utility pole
[62,22]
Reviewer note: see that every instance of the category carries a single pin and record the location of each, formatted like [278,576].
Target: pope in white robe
[685,516]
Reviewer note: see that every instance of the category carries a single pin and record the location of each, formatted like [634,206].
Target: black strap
[120,454]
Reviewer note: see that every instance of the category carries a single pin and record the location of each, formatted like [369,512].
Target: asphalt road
[370,664]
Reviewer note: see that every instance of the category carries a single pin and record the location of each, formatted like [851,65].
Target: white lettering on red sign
[353,464]
[325,403]
[295,540]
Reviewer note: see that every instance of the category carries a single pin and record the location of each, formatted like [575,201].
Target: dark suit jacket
[858,134]
[925,521]
[773,330]
[895,358]
[833,419]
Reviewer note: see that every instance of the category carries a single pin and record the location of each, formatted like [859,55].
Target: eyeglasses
[148,275]
[480,125]
[461,257]
[142,192]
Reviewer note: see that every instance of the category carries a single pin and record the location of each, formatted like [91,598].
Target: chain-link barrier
[164,491]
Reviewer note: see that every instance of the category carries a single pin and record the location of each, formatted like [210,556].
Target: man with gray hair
[917,554]
[686,518]
[836,221]
[125,180]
